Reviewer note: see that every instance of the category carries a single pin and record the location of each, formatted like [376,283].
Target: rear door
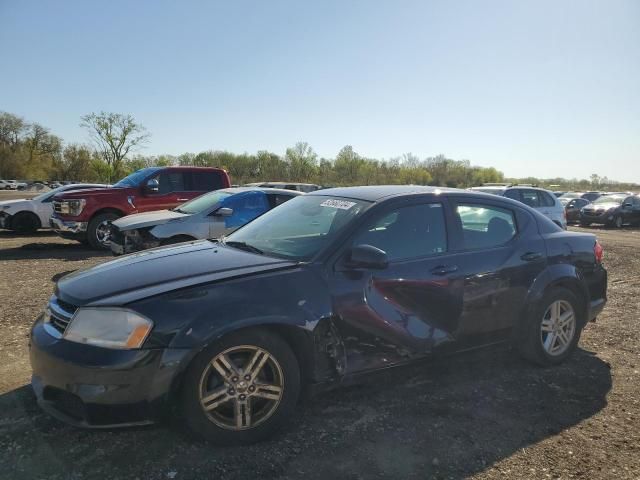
[410,307]
[500,253]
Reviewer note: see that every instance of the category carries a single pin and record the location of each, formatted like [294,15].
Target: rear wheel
[553,329]
[617,222]
[241,389]
[25,222]
[99,230]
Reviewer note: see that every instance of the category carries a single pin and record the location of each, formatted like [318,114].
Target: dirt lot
[481,415]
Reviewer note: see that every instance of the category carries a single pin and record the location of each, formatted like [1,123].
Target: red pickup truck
[85,215]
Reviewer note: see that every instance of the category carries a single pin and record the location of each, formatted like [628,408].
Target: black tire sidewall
[93,225]
[25,222]
[532,348]
[196,419]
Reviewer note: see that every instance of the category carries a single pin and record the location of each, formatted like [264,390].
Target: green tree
[115,135]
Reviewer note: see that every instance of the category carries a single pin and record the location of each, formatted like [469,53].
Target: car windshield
[610,199]
[299,228]
[203,202]
[47,194]
[134,179]
[571,195]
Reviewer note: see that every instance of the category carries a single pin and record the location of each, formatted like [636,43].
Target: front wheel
[553,328]
[99,230]
[241,389]
[25,222]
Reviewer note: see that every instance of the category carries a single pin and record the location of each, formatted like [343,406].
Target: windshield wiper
[241,246]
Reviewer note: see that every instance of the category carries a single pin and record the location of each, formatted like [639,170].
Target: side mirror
[367,256]
[628,205]
[223,212]
[152,186]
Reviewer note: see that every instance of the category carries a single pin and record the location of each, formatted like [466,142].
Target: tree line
[30,151]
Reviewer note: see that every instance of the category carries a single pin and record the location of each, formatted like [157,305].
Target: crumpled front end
[129,241]
[5,220]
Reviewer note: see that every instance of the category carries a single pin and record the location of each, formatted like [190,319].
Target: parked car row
[327,286]
[542,200]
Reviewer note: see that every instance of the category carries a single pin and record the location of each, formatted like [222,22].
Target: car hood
[160,270]
[602,206]
[148,219]
[85,192]
[14,204]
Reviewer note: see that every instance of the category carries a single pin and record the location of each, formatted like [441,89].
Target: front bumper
[5,220]
[69,229]
[597,217]
[129,241]
[97,387]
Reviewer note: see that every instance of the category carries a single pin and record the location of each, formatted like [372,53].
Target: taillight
[598,251]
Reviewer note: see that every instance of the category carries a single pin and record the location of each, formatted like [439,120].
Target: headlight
[72,207]
[108,327]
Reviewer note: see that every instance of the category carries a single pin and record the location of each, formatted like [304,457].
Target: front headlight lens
[72,207]
[108,327]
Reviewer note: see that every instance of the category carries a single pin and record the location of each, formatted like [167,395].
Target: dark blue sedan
[324,287]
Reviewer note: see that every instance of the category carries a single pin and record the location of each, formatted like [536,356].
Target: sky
[541,88]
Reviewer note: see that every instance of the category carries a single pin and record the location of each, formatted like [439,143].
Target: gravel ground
[486,414]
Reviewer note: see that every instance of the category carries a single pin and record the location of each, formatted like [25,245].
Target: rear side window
[277,199]
[485,226]
[204,181]
[530,198]
[407,232]
[546,200]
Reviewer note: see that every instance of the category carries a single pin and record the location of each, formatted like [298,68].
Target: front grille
[65,402]
[61,313]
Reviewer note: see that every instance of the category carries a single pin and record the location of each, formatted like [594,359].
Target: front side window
[485,226]
[301,227]
[203,202]
[245,206]
[170,182]
[134,179]
[407,232]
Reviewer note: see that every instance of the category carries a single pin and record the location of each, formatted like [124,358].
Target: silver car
[542,200]
[211,215]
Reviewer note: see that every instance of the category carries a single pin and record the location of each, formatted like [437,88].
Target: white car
[8,185]
[28,215]
[542,200]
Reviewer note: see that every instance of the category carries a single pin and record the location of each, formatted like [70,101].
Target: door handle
[531,256]
[183,199]
[444,269]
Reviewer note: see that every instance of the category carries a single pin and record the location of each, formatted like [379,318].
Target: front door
[407,309]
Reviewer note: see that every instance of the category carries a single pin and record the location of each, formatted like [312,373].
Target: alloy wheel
[103,232]
[558,327]
[241,387]
[618,222]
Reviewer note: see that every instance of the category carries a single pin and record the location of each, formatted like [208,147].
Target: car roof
[267,190]
[374,193]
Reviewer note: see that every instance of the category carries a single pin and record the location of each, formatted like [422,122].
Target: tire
[618,221]
[533,346]
[222,425]
[25,222]
[95,230]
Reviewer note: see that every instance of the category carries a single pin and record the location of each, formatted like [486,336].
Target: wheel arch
[560,276]
[113,210]
[27,213]
[307,346]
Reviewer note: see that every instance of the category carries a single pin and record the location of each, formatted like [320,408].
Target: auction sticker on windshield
[341,204]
